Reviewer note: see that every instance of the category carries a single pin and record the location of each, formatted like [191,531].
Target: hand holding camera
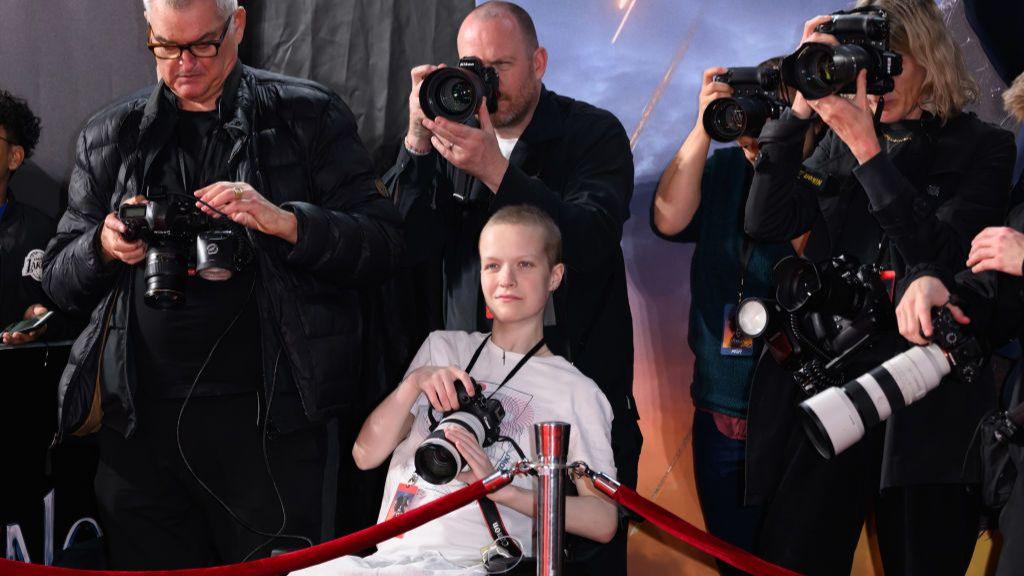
[914,313]
[179,240]
[475,151]
[418,137]
[113,243]
[244,205]
[438,458]
[800,107]
[438,384]
[737,102]
[442,104]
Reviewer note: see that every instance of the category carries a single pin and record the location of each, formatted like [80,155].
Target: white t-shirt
[506,145]
[546,388]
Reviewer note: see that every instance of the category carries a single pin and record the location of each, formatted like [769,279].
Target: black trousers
[813,522]
[156,515]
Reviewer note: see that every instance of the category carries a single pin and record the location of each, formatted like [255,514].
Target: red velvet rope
[293,560]
[693,536]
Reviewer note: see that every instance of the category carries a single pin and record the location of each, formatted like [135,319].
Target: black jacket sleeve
[74,275]
[779,207]
[592,207]
[978,200]
[992,300]
[348,232]
[418,180]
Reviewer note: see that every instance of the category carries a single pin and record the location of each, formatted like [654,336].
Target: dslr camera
[821,317]
[182,240]
[456,93]
[818,70]
[437,459]
[755,99]
[837,418]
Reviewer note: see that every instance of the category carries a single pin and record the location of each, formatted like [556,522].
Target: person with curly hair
[24,231]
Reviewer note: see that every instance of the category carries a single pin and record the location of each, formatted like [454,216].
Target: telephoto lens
[437,459]
[838,417]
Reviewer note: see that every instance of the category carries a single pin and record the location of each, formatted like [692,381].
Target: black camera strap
[492,517]
[526,357]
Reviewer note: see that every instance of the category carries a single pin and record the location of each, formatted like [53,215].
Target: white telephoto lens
[832,421]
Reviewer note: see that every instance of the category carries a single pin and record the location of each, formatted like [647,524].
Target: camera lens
[818,70]
[215,254]
[797,281]
[837,418]
[455,96]
[437,463]
[165,276]
[726,119]
[437,459]
[452,93]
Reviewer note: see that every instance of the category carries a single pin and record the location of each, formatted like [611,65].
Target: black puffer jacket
[296,143]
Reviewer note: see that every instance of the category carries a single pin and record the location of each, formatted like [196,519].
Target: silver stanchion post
[552,443]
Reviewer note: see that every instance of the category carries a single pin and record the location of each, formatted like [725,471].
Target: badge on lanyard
[734,342]
[403,499]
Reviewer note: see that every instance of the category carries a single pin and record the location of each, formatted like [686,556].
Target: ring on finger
[238,192]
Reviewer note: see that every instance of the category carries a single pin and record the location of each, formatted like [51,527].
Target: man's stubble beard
[520,111]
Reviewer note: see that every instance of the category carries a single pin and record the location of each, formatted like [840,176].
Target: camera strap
[526,357]
[492,517]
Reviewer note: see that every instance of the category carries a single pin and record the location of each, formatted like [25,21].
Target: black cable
[519,450]
[188,465]
[270,474]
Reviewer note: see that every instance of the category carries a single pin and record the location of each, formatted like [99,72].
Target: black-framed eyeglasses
[201,49]
[9,141]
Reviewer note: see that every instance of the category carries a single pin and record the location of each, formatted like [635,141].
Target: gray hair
[225,8]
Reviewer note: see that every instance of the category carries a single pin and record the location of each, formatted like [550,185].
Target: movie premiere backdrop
[640,59]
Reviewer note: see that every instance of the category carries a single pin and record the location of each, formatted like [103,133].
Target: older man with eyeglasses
[220,230]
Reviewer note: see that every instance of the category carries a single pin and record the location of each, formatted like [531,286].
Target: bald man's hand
[417,138]
[475,151]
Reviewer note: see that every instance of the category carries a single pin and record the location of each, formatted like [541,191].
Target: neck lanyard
[476,355]
[745,251]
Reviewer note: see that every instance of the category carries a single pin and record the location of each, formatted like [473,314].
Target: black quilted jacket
[295,142]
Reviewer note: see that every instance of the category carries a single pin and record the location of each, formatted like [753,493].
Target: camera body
[756,98]
[818,70]
[455,93]
[437,459]
[181,239]
[822,316]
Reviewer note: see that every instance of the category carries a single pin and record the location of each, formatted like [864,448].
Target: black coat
[296,143]
[929,199]
[24,232]
[995,304]
[573,160]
